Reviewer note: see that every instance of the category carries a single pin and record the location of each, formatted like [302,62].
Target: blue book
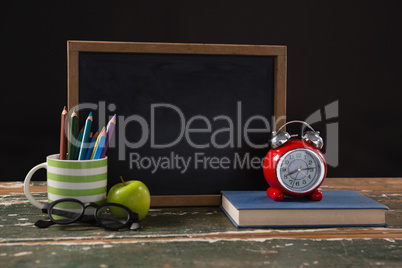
[336,209]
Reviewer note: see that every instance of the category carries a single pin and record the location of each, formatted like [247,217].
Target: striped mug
[85,180]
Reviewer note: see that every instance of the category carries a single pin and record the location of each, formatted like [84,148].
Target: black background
[340,51]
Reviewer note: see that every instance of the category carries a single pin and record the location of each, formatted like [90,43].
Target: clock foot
[316,195]
[275,194]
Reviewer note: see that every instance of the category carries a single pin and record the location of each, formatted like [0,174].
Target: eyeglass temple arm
[65,213]
[135,226]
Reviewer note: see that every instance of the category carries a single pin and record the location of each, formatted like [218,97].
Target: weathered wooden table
[199,237]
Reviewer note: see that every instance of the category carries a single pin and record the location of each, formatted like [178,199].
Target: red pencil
[63,139]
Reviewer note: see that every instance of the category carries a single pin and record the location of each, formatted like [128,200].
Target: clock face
[300,170]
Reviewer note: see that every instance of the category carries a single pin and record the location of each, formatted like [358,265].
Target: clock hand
[296,176]
[298,169]
[294,181]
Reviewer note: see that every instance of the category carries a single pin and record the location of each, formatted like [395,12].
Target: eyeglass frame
[132,221]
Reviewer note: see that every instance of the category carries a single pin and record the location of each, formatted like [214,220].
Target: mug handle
[27,181]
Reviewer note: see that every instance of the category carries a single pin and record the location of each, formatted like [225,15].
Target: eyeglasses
[69,210]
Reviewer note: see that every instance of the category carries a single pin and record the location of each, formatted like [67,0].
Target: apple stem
[124,183]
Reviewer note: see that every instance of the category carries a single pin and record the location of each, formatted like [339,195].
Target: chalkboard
[193,119]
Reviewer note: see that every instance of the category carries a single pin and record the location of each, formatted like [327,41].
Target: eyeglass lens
[112,217]
[66,212]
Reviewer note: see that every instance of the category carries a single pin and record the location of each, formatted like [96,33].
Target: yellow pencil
[96,144]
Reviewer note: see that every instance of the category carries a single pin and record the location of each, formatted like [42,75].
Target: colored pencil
[88,147]
[77,148]
[85,138]
[100,145]
[72,135]
[63,137]
[109,133]
[91,145]
[96,143]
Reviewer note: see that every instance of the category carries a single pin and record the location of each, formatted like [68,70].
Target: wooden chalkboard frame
[74,48]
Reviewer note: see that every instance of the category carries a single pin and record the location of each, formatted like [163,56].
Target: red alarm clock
[295,167]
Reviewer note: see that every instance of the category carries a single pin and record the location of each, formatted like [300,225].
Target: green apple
[132,194]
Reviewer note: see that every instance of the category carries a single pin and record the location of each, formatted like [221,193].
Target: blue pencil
[100,145]
[85,137]
[109,132]
[91,146]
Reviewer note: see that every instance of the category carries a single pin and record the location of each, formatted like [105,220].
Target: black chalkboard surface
[191,122]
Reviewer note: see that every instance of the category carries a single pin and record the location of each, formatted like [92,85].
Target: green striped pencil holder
[85,180]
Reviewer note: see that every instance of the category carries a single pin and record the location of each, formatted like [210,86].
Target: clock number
[311,169]
[290,181]
[297,183]
[298,155]
[286,162]
[283,169]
